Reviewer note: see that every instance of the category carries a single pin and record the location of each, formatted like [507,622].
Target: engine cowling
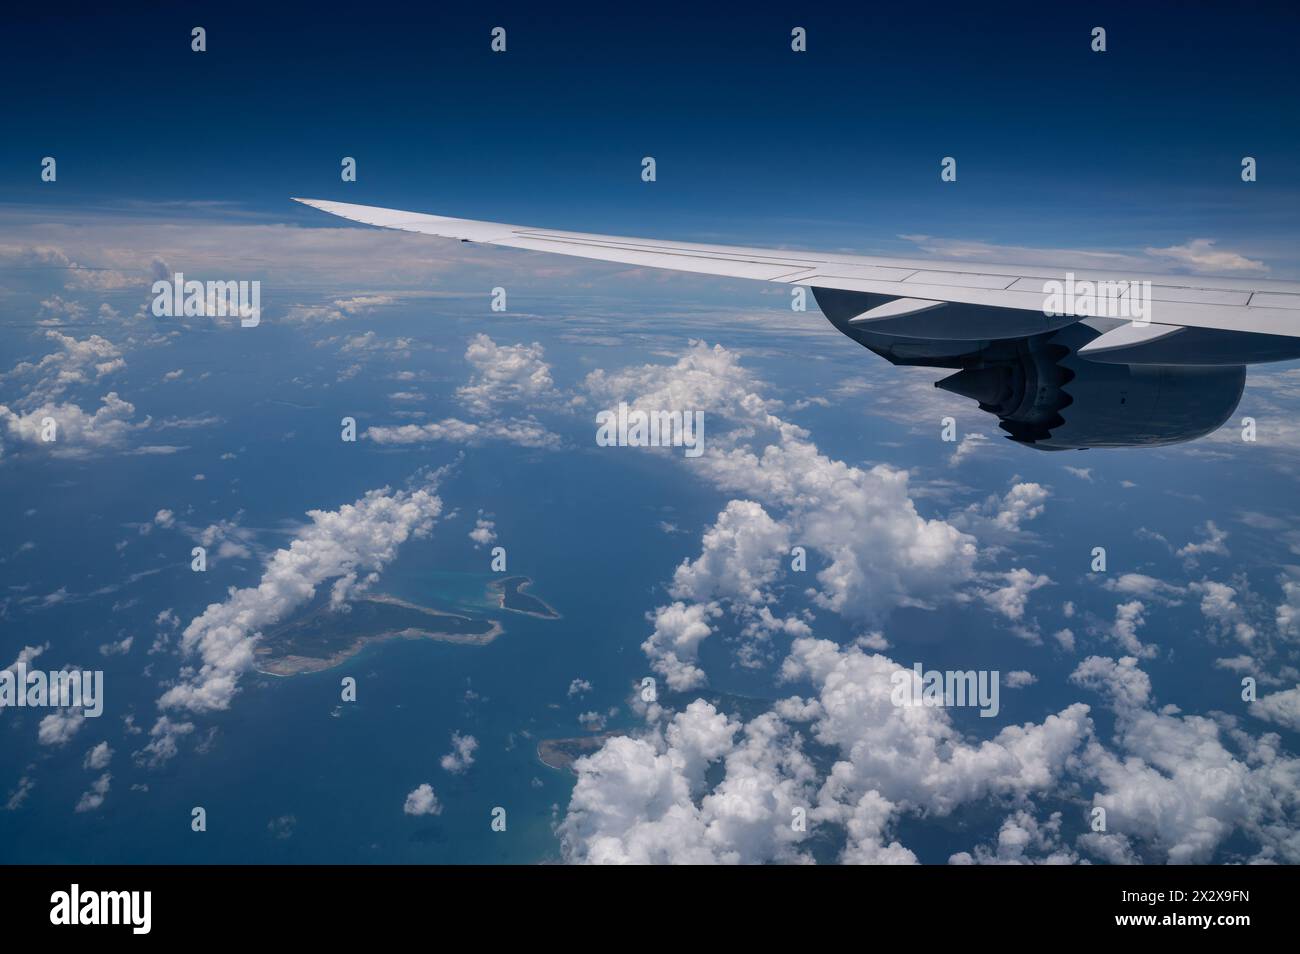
[1047,396]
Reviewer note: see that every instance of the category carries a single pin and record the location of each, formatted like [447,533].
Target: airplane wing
[907,297]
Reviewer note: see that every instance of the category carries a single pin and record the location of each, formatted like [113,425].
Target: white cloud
[880,553]
[506,374]
[524,432]
[674,645]
[1219,604]
[1022,840]
[60,726]
[349,546]
[422,801]
[739,560]
[1200,255]
[1212,544]
[98,757]
[337,310]
[26,655]
[1281,708]
[1024,501]
[649,799]
[119,648]
[1129,618]
[970,443]
[1010,599]
[94,798]
[461,756]
[484,532]
[1173,784]
[1145,587]
[74,363]
[644,801]
[165,736]
[1120,679]
[77,433]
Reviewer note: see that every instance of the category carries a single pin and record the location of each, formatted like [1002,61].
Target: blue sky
[1057,147]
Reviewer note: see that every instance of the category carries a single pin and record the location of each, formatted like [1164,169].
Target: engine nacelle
[1047,396]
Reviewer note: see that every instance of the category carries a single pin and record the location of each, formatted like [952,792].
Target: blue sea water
[290,773]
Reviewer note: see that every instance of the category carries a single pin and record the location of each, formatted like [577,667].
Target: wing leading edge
[1252,306]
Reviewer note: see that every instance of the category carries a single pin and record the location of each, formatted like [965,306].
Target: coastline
[270,664]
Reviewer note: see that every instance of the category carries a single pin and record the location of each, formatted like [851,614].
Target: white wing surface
[1227,304]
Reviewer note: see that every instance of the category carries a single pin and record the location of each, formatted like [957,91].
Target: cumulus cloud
[73,363]
[422,801]
[1023,502]
[879,552]
[1129,618]
[739,562]
[1213,543]
[1010,599]
[701,786]
[1022,840]
[1280,708]
[704,787]
[674,645]
[98,757]
[1287,616]
[523,432]
[1219,605]
[60,726]
[164,742]
[484,532]
[93,798]
[349,546]
[646,801]
[76,433]
[969,444]
[1145,587]
[337,310]
[1120,679]
[506,374]
[461,756]
[1174,784]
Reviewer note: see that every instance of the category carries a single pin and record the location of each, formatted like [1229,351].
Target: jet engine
[1046,395]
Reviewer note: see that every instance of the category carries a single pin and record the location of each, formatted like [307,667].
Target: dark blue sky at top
[838,147]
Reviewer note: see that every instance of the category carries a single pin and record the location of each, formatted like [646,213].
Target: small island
[322,637]
[511,596]
[560,754]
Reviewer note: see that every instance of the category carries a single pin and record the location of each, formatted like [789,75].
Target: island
[511,596]
[322,637]
[562,753]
